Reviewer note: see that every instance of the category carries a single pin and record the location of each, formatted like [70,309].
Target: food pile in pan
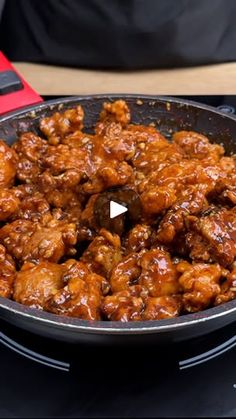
[173,252]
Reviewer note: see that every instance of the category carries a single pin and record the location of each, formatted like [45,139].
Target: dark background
[130,34]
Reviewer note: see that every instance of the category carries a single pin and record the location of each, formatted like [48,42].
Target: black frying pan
[169,115]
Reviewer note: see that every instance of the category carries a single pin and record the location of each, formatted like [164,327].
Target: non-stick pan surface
[169,115]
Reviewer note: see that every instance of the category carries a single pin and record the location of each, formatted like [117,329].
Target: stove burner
[28,348]
[208,355]
[34,356]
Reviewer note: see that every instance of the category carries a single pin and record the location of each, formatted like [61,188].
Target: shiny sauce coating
[172,253]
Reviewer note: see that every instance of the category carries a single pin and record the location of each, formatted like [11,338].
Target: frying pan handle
[15,92]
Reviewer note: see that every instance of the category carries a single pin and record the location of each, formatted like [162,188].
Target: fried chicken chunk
[225,189]
[213,236]
[35,284]
[31,204]
[159,274]
[30,149]
[141,236]
[26,240]
[152,269]
[117,111]
[9,204]
[133,304]
[164,307]
[103,253]
[197,146]
[200,284]
[126,305]
[8,162]
[58,125]
[157,199]
[125,273]
[228,288]
[7,273]
[152,152]
[82,295]
[191,201]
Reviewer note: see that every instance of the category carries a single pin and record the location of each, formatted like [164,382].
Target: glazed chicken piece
[70,161]
[226,192]
[30,146]
[32,204]
[115,142]
[59,125]
[225,189]
[63,158]
[35,284]
[159,274]
[8,163]
[96,161]
[156,199]
[133,304]
[153,152]
[74,269]
[64,169]
[191,201]
[144,147]
[30,150]
[152,269]
[103,253]
[60,192]
[33,207]
[9,204]
[228,288]
[160,190]
[141,236]
[228,164]
[7,273]
[109,174]
[129,143]
[51,242]
[124,305]
[15,236]
[117,111]
[217,235]
[126,273]
[26,240]
[178,176]
[82,295]
[197,146]
[200,284]
[90,164]
[87,216]
[164,307]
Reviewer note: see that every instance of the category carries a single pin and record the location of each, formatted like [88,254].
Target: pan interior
[168,115]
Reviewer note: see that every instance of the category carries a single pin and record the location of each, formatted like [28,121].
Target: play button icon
[116,209]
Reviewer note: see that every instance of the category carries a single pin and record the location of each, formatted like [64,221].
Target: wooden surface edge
[217,79]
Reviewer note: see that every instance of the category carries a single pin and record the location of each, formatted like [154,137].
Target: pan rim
[117,327]
[114,327]
[72,99]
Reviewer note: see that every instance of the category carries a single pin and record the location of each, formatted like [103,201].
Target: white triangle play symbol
[116,209]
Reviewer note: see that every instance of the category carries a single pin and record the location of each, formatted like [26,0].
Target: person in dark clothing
[130,34]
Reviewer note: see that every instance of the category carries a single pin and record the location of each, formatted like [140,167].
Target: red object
[21,98]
